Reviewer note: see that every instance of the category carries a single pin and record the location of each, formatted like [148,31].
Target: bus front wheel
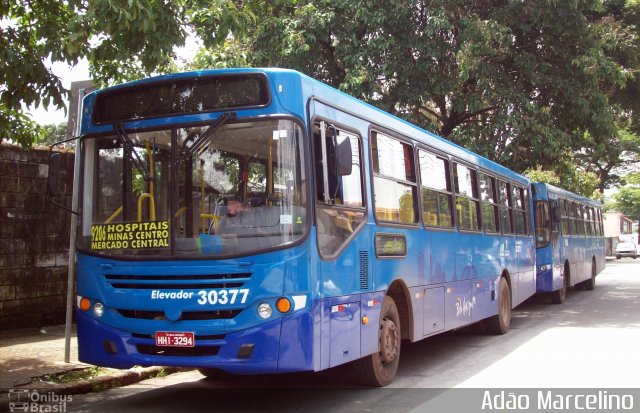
[379,369]
[499,323]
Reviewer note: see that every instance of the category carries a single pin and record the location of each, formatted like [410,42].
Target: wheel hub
[389,341]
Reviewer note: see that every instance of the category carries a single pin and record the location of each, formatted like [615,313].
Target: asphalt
[29,357]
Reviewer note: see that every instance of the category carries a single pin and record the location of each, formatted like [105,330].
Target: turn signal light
[84,304]
[283,305]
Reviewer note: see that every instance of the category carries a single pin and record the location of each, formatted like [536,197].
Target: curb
[96,384]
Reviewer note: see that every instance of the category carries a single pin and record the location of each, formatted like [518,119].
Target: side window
[488,197]
[599,222]
[435,190]
[579,219]
[573,228]
[394,180]
[519,209]
[504,192]
[566,220]
[467,198]
[338,219]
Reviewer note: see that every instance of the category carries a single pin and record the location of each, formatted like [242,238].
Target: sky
[67,74]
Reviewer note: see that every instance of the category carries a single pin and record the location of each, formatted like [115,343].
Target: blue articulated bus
[259,221]
[569,241]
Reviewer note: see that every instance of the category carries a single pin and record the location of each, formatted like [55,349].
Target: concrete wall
[34,240]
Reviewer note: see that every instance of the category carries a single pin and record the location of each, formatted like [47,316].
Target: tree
[609,156]
[572,179]
[53,133]
[521,82]
[122,39]
[612,155]
[627,199]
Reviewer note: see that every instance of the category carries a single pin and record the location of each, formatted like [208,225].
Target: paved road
[592,340]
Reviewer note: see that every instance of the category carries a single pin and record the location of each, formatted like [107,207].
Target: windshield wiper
[135,158]
[200,140]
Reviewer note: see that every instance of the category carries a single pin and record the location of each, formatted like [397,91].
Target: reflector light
[84,304]
[283,305]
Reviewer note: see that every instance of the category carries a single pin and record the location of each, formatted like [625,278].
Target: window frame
[475,201]
[508,207]
[449,192]
[524,198]
[374,130]
[317,204]
[495,204]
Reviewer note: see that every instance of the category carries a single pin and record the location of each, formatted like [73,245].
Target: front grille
[187,315]
[197,351]
[176,282]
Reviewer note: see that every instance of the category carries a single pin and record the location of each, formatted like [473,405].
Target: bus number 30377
[230,296]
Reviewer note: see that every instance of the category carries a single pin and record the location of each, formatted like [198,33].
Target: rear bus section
[569,241]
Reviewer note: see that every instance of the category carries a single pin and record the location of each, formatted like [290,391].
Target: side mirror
[56,186]
[53,178]
[344,158]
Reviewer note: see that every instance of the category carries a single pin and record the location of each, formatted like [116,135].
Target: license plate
[174,339]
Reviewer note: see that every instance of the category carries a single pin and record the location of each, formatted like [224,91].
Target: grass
[73,375]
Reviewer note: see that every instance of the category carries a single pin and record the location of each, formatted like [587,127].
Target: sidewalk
[31,353]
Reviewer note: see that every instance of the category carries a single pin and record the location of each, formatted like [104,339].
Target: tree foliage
[532,83]
[574,180]
[627,199]
[524,83]
[53,133]
[122,40]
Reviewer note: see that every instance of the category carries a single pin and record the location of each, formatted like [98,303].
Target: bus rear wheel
[379,369]
[590,284]
[558,296]
[499,323]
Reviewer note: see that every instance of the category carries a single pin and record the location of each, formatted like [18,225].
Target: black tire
[379,369]
[499,323]
[590,284]
[618,257]
[560,295]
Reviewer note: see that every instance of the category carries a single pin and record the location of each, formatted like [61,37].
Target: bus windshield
[209,191]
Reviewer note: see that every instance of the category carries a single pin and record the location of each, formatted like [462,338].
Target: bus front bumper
[281,345]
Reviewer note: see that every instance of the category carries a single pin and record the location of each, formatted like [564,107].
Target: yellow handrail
[114,215]
[202,205]
[216,219]
[180,211]
[152,206]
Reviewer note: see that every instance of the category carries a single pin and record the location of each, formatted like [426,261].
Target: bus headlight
[265,311]
[544,267]
[98,309]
